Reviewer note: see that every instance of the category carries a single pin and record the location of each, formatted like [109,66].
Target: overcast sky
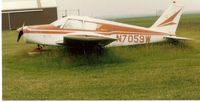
[123,8]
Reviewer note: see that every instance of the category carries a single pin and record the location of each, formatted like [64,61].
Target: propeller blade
[21,32]
[19,36]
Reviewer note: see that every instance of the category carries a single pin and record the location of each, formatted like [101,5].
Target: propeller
[21,32]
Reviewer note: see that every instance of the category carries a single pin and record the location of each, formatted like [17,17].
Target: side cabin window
[73,24]
[79,24]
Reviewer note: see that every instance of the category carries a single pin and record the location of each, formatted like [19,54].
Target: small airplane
[81,31]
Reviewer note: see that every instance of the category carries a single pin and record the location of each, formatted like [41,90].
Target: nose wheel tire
[36,50]
[39,46]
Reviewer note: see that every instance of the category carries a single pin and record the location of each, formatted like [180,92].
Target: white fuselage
[122,39]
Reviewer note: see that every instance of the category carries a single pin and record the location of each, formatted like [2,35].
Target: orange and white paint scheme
[79,31]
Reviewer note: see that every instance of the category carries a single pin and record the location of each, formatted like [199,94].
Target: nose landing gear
[37,50]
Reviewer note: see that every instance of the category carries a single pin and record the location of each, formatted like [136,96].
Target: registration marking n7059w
[133,38]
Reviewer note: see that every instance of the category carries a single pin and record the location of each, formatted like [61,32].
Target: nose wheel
[39,47]
[37,50]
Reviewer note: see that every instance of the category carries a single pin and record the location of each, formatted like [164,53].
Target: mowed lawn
[155,71]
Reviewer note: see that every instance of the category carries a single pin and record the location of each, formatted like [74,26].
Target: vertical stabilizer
[169,20]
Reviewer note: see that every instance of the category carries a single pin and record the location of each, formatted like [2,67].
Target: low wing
[86,39]
[176,38]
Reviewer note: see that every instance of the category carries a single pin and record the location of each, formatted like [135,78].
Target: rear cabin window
[90,26]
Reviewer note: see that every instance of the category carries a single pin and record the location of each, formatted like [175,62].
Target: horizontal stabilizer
[176,38]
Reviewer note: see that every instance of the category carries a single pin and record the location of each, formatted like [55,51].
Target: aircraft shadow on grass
[96,57]
[90,56]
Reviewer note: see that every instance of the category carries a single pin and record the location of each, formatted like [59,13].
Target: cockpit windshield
[59,23]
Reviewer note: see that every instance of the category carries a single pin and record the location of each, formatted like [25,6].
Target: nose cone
[19,29]
[22,29]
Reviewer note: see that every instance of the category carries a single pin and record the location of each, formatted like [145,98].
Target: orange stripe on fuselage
[105,29]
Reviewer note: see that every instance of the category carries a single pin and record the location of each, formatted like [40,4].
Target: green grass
[156,71]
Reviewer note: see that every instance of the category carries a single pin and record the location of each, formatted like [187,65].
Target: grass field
[156,71]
